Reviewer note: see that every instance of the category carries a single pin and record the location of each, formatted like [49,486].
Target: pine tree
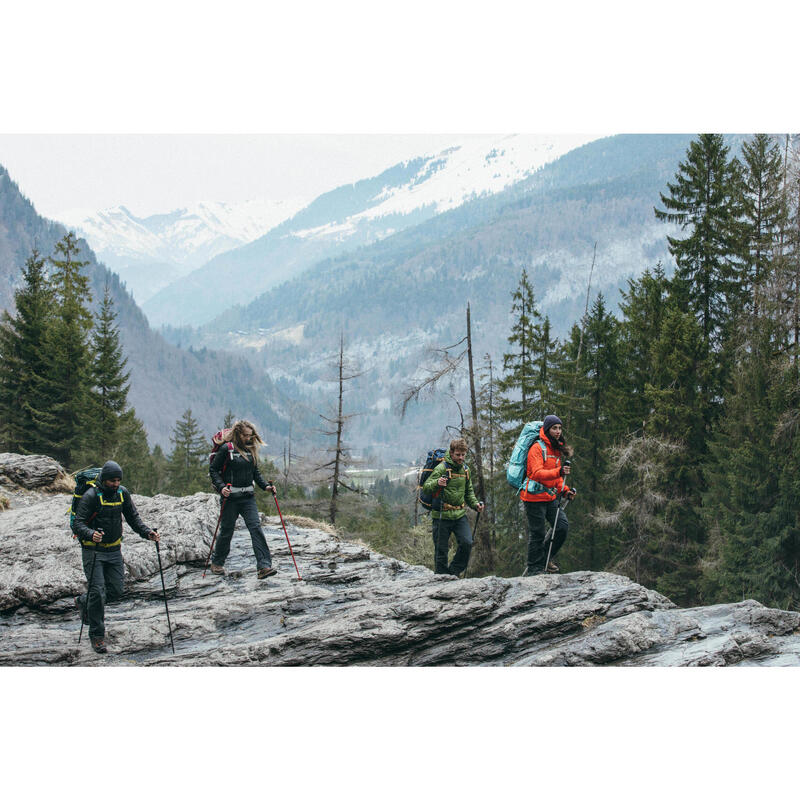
[595,425]
[69,366]
[187,466]
[706,201]
[765,210]
[110,392]
[521,388]
[643,307]
[23,364]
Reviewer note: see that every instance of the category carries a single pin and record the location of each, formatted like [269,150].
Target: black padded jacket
[103,510]
[230,466]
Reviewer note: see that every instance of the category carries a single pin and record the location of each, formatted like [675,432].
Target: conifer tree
[765,210]
[187,466]
[68,375]
[521,388]
[710,279]
[110,392]
[23,364]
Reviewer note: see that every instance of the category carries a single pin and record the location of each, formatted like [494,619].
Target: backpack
[431,501]
[517,468]
[217,440]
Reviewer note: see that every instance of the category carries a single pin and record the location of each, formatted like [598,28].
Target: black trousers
[442,528]
[536,513]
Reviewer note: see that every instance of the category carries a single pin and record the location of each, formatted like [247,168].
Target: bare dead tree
[341,456]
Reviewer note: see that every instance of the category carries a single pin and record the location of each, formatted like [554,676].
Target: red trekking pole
[275,496]
[214,539]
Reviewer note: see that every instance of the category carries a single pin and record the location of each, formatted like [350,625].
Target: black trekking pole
[552,535]
[88,589]
[441,511]
[163,586]
[275,497]
[214,537]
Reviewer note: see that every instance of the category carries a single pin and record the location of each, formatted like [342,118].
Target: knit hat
[549,421]
[110,471]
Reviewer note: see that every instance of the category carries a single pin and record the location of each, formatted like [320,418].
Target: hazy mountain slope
[164,379]
[148,253]
[409,291]
[351,216]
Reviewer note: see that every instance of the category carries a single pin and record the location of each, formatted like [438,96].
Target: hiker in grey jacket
[98,527]
[233,471]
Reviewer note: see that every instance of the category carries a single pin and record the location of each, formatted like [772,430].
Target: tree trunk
[486,542]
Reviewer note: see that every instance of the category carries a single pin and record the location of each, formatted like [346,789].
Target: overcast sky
[156,173]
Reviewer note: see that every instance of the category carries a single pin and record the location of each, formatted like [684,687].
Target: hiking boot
[265,572]
[217,569]
[82,611]
[552,567]
[98,644]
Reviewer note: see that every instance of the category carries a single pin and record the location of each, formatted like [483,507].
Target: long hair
[236,436]
[559,444]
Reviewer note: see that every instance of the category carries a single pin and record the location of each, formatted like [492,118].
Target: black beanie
[110,471]
[549,421]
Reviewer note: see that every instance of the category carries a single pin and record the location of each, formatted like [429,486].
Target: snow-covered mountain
[472,168]
[150,252]
[355,215]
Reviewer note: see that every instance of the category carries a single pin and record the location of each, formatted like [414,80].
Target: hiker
[98,527]
[451,481]
[551,474]
[233,470]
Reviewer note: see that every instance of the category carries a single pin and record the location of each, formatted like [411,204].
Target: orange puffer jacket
[548,474]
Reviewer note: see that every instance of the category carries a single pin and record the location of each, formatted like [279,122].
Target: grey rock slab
[352,607]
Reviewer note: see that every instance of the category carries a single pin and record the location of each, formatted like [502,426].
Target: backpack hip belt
[102,544]
[448,507]
[242,490]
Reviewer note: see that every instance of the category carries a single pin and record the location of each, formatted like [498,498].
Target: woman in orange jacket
[546,483]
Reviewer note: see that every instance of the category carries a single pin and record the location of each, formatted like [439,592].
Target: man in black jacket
[98,526]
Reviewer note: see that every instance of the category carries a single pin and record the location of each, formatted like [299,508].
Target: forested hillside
[165,380]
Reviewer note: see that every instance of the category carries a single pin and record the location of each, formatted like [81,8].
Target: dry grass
[307,522]
[5,503]
[63,484]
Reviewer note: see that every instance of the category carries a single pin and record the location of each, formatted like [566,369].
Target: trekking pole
[88,589]
[163,586]
[214,538]
[449,472]
[552,535]
[275,497]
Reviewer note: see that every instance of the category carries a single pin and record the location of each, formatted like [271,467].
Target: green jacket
[459,490]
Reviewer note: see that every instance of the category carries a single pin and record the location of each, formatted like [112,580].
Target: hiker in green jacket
[451,485]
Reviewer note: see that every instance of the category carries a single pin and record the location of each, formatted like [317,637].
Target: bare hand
[271,488]
[442,481]
[226,491]
[565,469]
[154,536]
[481,506]
[97,536]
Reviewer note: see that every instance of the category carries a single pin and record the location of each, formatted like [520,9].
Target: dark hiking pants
[537,549]
[107,585]
[442,528]
[244,504]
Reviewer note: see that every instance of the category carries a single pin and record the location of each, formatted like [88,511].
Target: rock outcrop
[353,606]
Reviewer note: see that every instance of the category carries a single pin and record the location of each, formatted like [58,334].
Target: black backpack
[431,501]
[84,480]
